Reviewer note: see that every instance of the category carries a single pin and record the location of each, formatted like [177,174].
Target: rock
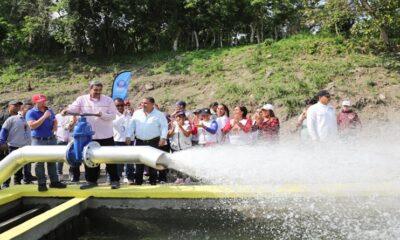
[330,86]
[361,103]
[149,86]
[268,73]
[381,98]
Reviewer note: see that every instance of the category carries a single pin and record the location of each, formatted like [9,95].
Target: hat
[323,93]
[268,107]
[15,102]
[181,103]
[180,113]
[39,98]
[346,103]
[197,111]
[205,111]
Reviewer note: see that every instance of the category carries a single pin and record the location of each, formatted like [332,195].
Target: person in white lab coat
[321,119]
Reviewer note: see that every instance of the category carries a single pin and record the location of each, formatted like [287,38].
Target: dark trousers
[18,175]
[162,174]
[140,167]
[92,174]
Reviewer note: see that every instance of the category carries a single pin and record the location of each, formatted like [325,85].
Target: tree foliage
[109,27]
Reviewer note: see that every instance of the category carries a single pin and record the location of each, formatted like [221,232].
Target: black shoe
[57,185]
[30,179]
[42,188]
[115,185]
[88,185]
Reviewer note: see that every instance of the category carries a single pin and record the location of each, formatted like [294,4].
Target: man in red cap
[42,122]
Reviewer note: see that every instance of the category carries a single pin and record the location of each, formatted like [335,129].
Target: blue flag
[121,85]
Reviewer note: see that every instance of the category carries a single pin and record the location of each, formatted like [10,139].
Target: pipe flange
[87,154]
[70,146]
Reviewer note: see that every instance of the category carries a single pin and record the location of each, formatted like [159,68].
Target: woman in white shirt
[180,138]
[238,129]
[222,119]
[180,133]
[207,128]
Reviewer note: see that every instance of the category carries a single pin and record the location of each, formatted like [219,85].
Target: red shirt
[269,130]
[348,119]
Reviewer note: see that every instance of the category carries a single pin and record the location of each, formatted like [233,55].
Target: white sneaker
[126,180]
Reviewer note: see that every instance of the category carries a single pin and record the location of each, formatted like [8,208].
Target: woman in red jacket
[268,125]
[238,129]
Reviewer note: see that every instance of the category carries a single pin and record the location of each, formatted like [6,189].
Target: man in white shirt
[64,126]
[151,128]
[120,129]
[102,124]
[321,119]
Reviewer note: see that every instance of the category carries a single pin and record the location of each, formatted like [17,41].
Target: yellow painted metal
[206,191]
[31,223]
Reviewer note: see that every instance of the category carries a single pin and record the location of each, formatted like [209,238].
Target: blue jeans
[60,165]
[39,166]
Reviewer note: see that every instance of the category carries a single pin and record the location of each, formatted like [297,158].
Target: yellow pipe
[18,158]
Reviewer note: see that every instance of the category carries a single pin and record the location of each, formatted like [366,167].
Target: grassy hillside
[285,73]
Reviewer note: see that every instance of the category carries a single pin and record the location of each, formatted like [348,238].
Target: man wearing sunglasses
[120,129]
[321,119]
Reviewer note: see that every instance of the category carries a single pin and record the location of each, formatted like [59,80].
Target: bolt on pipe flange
[87,154]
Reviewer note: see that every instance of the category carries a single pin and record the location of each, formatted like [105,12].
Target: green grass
[284,72]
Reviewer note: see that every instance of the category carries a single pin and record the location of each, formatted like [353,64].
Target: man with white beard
[321,119]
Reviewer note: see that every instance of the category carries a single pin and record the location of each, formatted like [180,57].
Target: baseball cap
[39,98]
[205,111]
[15,102]
[268,107]
[181,103]
[346,103]
[323,93]
[196,111]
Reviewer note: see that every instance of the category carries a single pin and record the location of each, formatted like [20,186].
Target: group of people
[116,122]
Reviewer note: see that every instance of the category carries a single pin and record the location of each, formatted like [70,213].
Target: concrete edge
[37,227]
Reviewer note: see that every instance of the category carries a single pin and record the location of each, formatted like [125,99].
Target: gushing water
[367,166]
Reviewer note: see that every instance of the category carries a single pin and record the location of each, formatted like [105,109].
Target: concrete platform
[205,191]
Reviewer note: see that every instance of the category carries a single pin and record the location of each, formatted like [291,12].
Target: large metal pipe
[93,154]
